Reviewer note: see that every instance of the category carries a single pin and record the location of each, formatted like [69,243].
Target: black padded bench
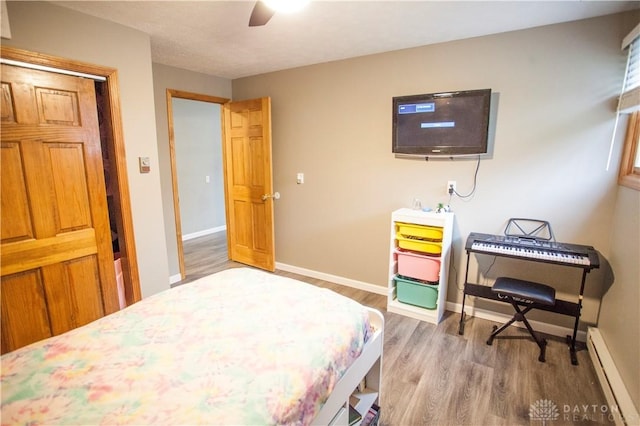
[519,292]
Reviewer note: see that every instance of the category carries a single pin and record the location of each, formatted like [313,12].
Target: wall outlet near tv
[451,187]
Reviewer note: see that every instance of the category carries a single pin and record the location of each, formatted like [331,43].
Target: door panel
[256,165]
[248,176]
[260,214]
[14,208]
[19,291]
[57,106]
[77,302]
[6,107]
[69,183]
[56,244]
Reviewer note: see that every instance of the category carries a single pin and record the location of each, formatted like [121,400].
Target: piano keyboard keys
[531,253]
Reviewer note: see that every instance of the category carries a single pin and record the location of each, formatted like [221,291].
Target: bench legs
[520,316]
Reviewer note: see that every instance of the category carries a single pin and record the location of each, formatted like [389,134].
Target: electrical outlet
[451,184]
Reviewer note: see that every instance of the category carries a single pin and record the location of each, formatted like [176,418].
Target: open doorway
[198,189]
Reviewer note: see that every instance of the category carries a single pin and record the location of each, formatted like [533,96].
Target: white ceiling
[213,37]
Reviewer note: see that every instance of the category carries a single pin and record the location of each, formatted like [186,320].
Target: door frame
[173,93]
[113,120]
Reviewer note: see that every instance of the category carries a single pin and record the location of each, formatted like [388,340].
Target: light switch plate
[145,164]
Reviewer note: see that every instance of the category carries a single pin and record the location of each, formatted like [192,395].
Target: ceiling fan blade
[260,15]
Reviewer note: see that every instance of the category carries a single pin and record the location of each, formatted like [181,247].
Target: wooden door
[57,270]
[248,182]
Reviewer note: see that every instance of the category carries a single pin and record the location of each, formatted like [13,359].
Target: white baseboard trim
[175,278]
[543,327]
[372,288]
[204,232]
[611,382]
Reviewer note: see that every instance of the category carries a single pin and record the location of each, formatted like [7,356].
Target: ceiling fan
[264,10]
[261,14]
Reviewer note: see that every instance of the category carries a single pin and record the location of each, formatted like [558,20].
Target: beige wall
[44,28]
[556,87]
[166,77]
[620,314]
[333,122]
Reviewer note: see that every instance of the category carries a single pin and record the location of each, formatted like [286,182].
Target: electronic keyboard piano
[536,250]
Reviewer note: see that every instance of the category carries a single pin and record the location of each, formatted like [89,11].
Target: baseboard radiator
[610,380]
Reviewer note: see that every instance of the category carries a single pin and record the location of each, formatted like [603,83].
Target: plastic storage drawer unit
[410,230]
[416,244]
[414,265]
[416,293]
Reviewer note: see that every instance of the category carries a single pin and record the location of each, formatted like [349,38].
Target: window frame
[629,175]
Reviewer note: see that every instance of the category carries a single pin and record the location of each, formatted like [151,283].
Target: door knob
[275,196]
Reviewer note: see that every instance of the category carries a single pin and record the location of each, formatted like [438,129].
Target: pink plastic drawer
[413,265]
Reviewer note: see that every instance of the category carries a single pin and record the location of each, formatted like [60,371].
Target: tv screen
[442,124]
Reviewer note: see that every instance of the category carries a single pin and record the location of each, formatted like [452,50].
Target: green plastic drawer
[416,293]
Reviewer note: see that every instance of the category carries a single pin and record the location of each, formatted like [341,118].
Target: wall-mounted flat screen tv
[447,124]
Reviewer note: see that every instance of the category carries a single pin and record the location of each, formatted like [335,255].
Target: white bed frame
[368,368]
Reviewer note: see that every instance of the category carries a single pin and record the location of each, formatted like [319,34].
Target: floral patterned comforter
[238,347]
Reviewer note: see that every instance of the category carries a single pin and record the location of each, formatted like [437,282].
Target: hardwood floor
[433,376]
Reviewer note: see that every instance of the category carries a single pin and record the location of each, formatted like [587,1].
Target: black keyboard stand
[561,306]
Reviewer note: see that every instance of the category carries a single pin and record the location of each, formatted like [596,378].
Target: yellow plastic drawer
[416,244]
[410,230]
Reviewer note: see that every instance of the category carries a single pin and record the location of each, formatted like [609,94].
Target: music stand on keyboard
[529,228]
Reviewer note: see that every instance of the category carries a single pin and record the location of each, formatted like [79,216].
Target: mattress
[238,347]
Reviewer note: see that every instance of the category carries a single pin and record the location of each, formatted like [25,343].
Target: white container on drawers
[434,221]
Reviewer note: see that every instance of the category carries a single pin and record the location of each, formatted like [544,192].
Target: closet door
[56,257]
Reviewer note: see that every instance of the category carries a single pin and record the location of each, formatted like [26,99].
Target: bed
[241,346]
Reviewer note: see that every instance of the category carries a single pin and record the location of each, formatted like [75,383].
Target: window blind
[630,97]
[629,100]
